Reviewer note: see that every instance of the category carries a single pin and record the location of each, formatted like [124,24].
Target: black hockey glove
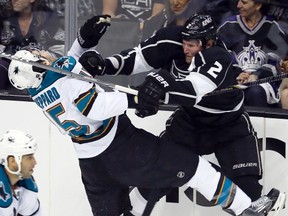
[152,91]
[132,101]
[93,29]
[92,62]
[144,109]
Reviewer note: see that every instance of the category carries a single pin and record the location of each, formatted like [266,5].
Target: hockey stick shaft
[243,86]
[73,75]
[124,89]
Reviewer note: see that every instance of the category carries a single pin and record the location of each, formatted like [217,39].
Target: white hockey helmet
[24,75]
[16,143]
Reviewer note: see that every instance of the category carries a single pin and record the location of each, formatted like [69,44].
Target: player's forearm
[76,50]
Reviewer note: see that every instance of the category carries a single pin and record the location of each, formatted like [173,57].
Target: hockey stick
[243,86]
[128,90]
[72,75]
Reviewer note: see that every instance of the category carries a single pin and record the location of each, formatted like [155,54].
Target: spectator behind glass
[58,6]
[178,11]
[30,23]
[280,11]
[258,44]
[220,10]
[133,10]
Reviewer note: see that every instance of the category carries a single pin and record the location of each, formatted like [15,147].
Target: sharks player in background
[18,189]
[113,154]
[191,64]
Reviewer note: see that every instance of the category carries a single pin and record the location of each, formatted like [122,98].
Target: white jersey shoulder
[80,109]
[23,200]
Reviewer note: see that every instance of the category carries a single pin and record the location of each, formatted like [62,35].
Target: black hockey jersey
[210,70]
[251,45]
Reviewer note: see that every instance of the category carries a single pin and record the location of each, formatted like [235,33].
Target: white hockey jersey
[21,201]
[78,108]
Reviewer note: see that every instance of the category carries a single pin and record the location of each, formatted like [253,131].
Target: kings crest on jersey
[251,46]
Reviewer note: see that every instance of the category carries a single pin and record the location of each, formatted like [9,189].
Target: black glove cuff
[131,101]
[86,41]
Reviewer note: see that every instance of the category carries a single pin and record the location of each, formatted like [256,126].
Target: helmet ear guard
[24,75]
[199,27]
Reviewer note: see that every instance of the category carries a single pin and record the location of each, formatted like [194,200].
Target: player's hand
[92,62]
[93,29]
[152,91]
[243,77]
[144,109]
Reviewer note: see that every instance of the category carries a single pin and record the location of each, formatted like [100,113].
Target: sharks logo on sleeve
[62,63]
[65,63]
[5,190]
[3,194]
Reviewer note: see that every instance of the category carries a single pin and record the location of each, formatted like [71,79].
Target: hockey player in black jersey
[113,154]
[190,67]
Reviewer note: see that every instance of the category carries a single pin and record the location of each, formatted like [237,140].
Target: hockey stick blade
[73,75]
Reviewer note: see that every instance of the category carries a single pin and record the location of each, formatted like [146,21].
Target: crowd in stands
[253,30]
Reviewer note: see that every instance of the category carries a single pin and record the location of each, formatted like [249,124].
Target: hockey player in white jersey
[113,154]
[18,189]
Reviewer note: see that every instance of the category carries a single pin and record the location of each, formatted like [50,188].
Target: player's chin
[188,59]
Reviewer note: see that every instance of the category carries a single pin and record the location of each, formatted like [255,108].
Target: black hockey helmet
[199,27]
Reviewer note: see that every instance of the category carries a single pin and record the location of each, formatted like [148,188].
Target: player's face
[22,5]
[178,6]
[27,165]
[247,8]
[191,48]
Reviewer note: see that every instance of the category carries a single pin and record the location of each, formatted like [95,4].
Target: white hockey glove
[93,29]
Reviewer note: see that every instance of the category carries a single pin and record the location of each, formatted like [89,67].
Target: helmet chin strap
[18,172]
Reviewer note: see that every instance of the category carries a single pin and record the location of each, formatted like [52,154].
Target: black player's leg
[111,201]
[250,185]
[218,189]
[239,157]
[144,199]
[105,195]
[244,171]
